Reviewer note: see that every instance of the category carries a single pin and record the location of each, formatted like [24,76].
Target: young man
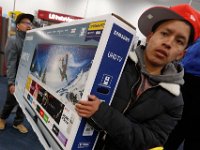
[13,52]
[187,130]
[148,102]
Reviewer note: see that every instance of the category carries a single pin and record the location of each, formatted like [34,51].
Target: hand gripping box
[63,63]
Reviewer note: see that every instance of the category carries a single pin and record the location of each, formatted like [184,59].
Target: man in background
[13,52]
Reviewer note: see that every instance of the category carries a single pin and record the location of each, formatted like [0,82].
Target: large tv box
[64,63]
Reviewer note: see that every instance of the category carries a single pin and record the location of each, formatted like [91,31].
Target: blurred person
[148,102]
[187,130]
[13,51]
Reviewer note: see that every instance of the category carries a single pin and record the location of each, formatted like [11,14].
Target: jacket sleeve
[11,58]
[129,134]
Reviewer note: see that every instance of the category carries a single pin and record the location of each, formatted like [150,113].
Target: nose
[168,42]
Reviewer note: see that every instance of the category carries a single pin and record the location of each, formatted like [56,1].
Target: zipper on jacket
[139,97]
[131,102]
[132,88]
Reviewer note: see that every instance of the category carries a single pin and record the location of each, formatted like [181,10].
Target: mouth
[161,53]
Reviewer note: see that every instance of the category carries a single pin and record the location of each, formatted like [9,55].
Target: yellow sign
[28,83]
[14,14]
[96,25]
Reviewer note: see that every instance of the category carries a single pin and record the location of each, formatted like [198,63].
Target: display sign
[14,14]
[56,17]
[64,63]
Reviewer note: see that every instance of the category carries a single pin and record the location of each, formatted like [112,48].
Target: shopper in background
[187,130]
[13,52]
[148,102]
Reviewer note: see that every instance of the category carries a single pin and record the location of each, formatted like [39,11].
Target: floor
[12,139]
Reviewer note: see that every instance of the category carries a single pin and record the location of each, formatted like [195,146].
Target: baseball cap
[179,12]
[22,16]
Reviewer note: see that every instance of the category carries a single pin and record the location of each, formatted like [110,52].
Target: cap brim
[154,15]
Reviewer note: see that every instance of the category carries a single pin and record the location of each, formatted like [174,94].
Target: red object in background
[4,68]
[0,23]
[0,26]
[56,17]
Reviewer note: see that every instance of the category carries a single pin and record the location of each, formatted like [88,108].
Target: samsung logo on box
[120,35]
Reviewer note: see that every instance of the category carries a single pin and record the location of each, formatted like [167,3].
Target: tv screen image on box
[56,81]
[63,68]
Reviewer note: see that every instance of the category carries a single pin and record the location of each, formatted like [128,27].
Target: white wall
[7,5]
[73,7]
[130,10]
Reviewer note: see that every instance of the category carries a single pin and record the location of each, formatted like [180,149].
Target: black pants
[188,128]
[10,103]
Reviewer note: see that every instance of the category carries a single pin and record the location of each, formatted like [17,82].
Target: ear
[17,26]
[181,54]
[149,36]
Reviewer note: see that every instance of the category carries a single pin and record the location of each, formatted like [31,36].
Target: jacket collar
[171,87]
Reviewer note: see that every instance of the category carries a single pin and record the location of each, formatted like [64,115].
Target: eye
[180,42]
[163,33]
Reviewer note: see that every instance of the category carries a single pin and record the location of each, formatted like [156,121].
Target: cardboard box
[64,63]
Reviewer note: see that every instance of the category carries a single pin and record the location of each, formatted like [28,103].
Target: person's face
[166,44]
[24,25]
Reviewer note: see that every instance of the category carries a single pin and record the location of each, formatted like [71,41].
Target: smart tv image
[51,105]
[56,81]
[63,68]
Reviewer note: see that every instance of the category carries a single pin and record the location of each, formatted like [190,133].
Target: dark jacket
[13,52]
[145,122]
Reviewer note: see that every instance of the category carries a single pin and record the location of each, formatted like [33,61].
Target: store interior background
[130,10]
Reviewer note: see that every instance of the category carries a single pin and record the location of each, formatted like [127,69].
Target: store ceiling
[193,3]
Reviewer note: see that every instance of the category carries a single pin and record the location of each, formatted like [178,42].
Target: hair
[191,37]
